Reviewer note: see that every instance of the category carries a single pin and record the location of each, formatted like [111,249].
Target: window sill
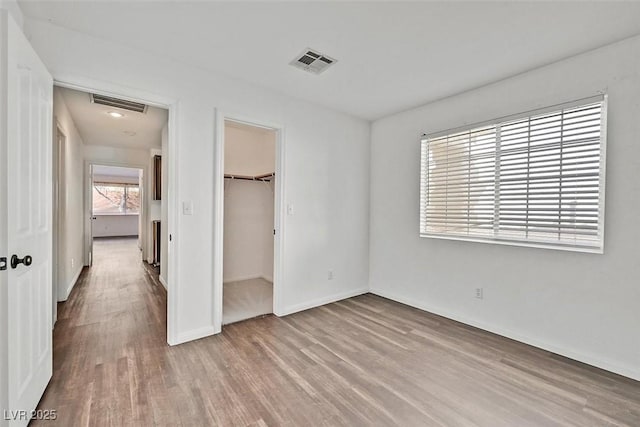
[116,214]
[531,244]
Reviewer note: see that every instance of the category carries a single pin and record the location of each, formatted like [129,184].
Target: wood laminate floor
[359,362]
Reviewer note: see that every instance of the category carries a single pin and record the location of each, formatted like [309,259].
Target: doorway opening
[116,211]
[250,185]
[116,201]
[59,192]
[115,181]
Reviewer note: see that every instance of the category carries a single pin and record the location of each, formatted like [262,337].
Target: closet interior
[249,189]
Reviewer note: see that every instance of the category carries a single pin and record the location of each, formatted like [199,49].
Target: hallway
[113,323]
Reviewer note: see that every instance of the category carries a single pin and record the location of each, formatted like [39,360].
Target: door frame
[172,105]
[218,212]
[88,197]
[59,189]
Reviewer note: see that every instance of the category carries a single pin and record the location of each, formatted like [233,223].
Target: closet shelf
[265,177]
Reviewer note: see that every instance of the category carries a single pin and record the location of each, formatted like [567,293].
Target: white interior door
[28,206]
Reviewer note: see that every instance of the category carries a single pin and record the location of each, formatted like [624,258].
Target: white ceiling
[391,55]
[96,127]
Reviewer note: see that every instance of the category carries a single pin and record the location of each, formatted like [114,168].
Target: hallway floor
[113,323]
[359,362]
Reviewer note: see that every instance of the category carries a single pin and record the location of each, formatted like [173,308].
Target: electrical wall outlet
[479,293]
[330,275]
[73,263]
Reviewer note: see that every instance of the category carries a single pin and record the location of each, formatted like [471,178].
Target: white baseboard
[627,371]
[70,286]
[243,278]
[194,335]
[164,283]
[321,301]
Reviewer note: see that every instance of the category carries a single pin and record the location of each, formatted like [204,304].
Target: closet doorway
[248,229]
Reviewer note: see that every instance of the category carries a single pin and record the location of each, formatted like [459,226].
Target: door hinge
[170,237]
[3,263]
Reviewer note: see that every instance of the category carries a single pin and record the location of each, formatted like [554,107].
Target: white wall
[584,306]
[248,230]
[327,171]
[115,179]
[249,151]
[115,156]
[70,211]
[115,225]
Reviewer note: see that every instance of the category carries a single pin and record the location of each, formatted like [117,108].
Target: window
[535,179]
[115,199]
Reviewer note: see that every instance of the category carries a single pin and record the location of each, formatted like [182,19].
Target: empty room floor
[361,361]
[246,299]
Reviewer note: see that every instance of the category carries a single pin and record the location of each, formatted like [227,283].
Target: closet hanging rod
[265,177]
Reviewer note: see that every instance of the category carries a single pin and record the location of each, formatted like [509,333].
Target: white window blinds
[532,179]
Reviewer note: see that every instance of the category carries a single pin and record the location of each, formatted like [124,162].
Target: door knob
[27,260]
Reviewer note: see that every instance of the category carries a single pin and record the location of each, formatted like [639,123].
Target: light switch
[187,207]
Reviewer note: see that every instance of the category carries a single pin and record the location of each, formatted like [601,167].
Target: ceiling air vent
[118,103]
[312,61]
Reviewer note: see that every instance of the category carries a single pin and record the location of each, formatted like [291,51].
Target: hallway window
[116,199]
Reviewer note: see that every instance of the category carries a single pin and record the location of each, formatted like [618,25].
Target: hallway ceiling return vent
[312,61]
[118,103]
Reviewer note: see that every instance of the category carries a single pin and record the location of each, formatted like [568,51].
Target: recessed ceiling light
[115,114]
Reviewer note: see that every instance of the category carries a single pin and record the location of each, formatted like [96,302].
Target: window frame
[603,98]
[125,186]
